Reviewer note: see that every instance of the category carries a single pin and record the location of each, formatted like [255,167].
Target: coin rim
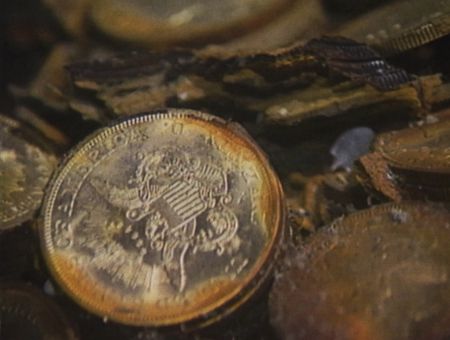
[203,315]
[26,134]
[198,33]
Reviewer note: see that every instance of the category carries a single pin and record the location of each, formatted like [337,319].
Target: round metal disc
[382,273]
[25,170]
[162,219]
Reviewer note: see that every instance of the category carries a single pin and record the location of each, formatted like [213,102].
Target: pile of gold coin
[252,169]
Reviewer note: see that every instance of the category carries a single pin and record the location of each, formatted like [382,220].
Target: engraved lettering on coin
[160,225]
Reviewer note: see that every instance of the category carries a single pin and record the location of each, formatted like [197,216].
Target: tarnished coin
[381,273]
[25,313]
[150,22]
[415,162]
[423,148]
[401,25]
[25,169]
[163,219]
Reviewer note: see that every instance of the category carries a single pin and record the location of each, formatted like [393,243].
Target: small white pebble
[351,145]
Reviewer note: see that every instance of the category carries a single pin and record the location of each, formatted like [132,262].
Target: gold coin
[162,219]
[147,22]
[25,169]
[25,313]
[416,162]
[422,148]
[401,25]
[380,273]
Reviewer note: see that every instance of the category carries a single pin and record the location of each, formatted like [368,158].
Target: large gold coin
[380,273]
[25,169]
[163,219]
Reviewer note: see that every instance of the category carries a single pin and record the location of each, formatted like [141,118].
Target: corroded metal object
[25,169]
[150,23]
[401,25]
[256,82]
[25,313]
[415,162]
[163,219]
[381,273]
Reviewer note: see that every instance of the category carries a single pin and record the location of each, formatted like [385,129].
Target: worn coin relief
[24,171]
[158,212]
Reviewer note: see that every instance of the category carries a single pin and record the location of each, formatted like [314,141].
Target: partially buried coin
[382,273]
[25,169]
[161,219]
[401,25]
[149,23]
[25,313]
[416,162]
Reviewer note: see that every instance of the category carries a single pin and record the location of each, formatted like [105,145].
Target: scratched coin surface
[162,219]
[25,169]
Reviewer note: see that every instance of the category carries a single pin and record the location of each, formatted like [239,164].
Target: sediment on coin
[327,289]
[412,163]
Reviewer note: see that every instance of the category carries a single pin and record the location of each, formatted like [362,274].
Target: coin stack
[257,169]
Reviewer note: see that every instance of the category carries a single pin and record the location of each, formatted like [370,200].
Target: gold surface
[423,148]
[149,23]
[162,218]
[380,273]
[24,171]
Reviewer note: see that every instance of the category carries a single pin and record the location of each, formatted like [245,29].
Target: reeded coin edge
[422,34]
[245,286]
[408,135]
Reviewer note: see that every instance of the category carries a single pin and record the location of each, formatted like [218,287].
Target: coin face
[25,313]
[381,273]
[24,171]
[163,218]
[423,148]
